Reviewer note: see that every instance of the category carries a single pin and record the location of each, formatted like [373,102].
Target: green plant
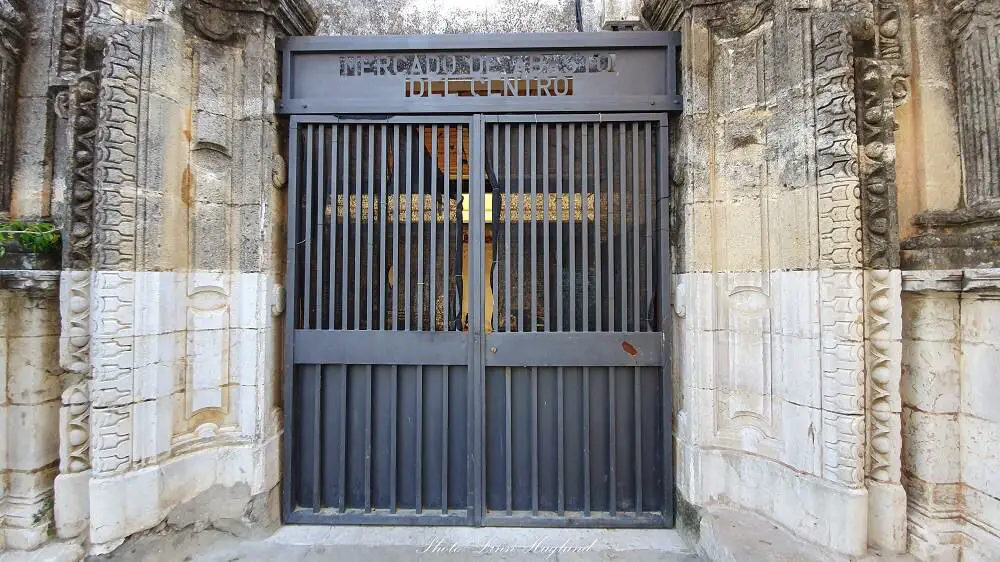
[40,238]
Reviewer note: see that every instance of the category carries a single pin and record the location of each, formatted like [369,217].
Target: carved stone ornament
[13,24]
[71,36]
[230,20]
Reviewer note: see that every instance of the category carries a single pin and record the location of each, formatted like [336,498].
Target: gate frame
[512,109]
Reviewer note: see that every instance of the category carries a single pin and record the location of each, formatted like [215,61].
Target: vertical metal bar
[288,362]
[663,319]
[393,422]
[434,224]
[369,410]
[458,217]
[408,276]
[520,227]
[572,227]
[610,164]
[320,223]
[509,440]
[612,449]
[633,212]
[585,224]
[421,187]
[598,297]
[497,208]
[318,440]
[308,272]
[650,201]
[561,431]
[343,440]
[586,436]
[559,228]
[396,217]
[534,228]
[508,309]
[477,371]
[546,223]
[369,303]
[622,232]
[332,289]
[383,217]
[420,438]
[345,270]
[446,199]
[637,415]
[358,211]
[444,441]
[534,440]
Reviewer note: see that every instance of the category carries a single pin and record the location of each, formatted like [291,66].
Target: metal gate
[475,320]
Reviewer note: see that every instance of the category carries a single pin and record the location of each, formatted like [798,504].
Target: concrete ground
[384,544]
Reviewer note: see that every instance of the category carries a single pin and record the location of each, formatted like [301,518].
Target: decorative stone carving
[74,439]
[117,151]
[82,189]
[226,21]
[29,280]
[878,163]
[13,23]
[71,35]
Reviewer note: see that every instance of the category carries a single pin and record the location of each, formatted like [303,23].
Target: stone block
[72,504]
[794,295]
[797,370]
[33,372]
[980,386]
[931,446]
[159,302]
[931,376]
[155,418]
[159,365]
[980,320]
[211,250]
[980,458]
[931,317]
[33,435]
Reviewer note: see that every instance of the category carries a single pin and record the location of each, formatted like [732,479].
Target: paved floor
[391,544]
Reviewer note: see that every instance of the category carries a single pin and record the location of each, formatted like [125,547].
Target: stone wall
[146,131]
[950,423]
[815,136]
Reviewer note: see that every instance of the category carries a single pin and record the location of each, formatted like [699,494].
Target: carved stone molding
[29,280]
[13,25]
[878,164]
[82,189]
[932,280]
[71,35]
[233,20]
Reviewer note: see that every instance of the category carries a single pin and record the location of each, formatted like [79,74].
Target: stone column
[974,27]
[30,382]
[13,23]
[968,236]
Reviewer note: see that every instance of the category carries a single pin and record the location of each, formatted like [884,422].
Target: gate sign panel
[509,73]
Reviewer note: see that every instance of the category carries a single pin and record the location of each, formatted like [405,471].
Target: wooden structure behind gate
[477,301]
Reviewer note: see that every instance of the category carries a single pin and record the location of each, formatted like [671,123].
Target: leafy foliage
[40,238]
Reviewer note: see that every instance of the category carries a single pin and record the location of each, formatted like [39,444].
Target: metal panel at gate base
[477,281]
